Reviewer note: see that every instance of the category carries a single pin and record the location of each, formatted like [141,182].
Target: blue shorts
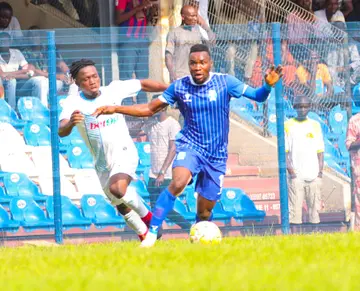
[210,175]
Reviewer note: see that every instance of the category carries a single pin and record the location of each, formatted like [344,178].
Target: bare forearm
[169,63]
[138,110]
[65,128]
[148,85]
[169,158]
[289,165]
[321,161]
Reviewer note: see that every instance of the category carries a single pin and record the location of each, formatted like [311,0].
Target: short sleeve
[68,108]
[15,27]
[125,89]
[235,87]
[169,95]
[170,43]
[174,129]
[320,147]
[120,4]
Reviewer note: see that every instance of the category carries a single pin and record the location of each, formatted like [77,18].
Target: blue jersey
[205,108]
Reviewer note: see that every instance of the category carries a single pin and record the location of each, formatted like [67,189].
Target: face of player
[89,81]
[5,18]
[190,16]
[200,65]
[302,109]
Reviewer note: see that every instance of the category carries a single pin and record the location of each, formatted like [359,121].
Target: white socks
[132,200]
[134,221]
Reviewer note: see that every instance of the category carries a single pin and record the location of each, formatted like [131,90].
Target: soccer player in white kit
[107,137]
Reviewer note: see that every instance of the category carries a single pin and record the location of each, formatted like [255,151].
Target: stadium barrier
[257,161]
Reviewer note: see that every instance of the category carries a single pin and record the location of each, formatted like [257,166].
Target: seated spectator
[313,70]
[345,6]
[36,54]
[14,67]
[331,9]
[8,22]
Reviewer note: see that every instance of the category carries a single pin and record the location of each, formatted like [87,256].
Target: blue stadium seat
[140,188]
[72,139]
[18,184]
[60,100]
[143,149]
[330,150]
[31,109]
[324,126]
[237,202]
[180,208]
[338,120]
[101,212]
[4,199]
[79,157]
[71,215]
[37,134]
[6,223]
[334,165]
[7,114]
[30,215]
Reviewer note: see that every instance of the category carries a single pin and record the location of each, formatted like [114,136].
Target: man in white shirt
[107,137]
[161,133]
[304,147]
[8,22]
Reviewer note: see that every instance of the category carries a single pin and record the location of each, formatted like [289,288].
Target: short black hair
[200,48]
[6,6]
[299,99]
[78,65]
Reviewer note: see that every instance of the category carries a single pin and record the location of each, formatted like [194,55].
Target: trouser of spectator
[356,191]
[311,192]
[39,87]
[173,215]
[134,59]
[10,92]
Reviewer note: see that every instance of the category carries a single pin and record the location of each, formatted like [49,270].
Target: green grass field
[308,262]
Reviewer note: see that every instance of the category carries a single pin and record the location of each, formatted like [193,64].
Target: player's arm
[237,88]
[66,125]
[148,85]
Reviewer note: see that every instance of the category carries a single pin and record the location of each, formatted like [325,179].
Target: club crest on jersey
[212,95]
[187,97]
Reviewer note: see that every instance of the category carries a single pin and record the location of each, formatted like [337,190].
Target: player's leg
[118,187]
[185,165]
[133,220]
[204,208]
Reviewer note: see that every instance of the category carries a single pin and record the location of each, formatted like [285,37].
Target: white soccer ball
[205,232]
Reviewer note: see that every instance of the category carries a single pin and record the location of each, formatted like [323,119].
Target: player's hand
[159,180]
[76,117]
[104,110]
[273,75]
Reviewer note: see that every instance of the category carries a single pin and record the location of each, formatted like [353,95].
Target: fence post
[54,136]
[284,202]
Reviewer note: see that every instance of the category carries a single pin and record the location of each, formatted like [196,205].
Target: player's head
[200,63]
[189,15]
[6,13]
[86,77]
[302,106]
[5,41]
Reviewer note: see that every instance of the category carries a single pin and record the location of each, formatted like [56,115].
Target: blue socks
[163,205]
[198,219]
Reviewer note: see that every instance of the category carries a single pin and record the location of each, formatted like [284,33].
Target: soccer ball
[205,232]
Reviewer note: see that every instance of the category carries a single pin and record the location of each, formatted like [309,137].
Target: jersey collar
[207,81]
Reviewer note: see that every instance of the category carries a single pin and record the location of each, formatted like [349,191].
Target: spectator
[304,147]
[161,133]
[36,54]
[313,72]
[345,6]
[181,39]
[331,9]
[14,67]
[134,43]
[8,22]
[353,145]
[355,14]
[336,61]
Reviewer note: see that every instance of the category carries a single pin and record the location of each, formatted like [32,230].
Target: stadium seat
[42,158]
[6,223]
[338,120]
[71,215]
[101,212]
[140,188]
[67,188]
[19,162]
[334,165]
[243,208]
[180,208]
[14,141]
[87,182]
[30,215]
[18,184]
[330,150]
[4,199]
[143,149]
[79,157]
[72,139]
[7,114]
[31,109]
[37,134]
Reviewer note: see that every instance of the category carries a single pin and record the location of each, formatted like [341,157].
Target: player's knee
[204,215]
[177,186]
[116,191]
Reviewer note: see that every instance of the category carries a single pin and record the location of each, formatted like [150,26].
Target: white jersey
[107,136]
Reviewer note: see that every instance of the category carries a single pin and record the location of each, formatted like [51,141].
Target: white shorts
[126,163]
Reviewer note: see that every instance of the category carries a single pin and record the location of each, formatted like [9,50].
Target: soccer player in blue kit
[201,146]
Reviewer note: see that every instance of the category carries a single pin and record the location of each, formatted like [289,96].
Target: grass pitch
[308,262]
